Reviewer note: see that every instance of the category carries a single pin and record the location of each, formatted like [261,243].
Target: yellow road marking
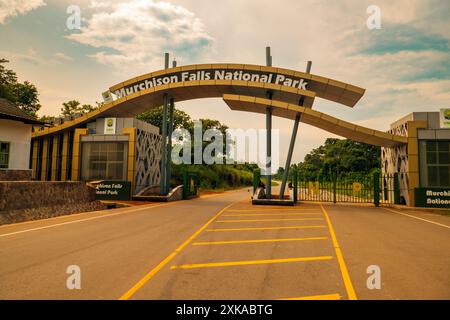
[265,228]
[155,270]
[411,216]
[262,220]
[344,272]
[141,208]
[334,296]
[270,209]
[248,262]
[205,243]
[269,214]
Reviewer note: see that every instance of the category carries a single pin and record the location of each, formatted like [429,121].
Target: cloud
[398,38]
[29,56]
[13,8]
[134,34]
[62,57]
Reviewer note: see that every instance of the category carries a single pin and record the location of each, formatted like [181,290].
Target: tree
[23,95]
[340,157]
[180,118]
[47,119]
[72,107]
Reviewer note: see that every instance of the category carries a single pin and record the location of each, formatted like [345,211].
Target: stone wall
[15,175]
[30,200]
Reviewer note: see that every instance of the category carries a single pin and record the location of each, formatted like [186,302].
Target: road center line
[414,217]
[156,269]
[344,272]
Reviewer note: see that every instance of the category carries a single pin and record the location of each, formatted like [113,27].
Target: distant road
[221,247]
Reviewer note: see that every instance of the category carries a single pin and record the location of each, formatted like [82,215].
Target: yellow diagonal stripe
[340,258]
[127,295]
[271,209]
[269,214]
[264,228]
[205,243]
[262,220]
[248,262]
[334,296]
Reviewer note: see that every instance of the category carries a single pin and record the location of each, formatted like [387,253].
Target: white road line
[411,216]
[93,218]
[81,220]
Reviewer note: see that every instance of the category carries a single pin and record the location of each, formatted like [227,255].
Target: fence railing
[355,188]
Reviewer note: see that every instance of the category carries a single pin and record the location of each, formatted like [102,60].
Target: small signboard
[432,197]
[110,126]
[107,97]
[445,118]
[113,190]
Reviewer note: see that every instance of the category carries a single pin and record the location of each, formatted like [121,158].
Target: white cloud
[62,57]
[134,34]
[12,8]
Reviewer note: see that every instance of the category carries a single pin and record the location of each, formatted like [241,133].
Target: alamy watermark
[374,19]
[73,281]
[235,146]
[374,280]
[73,21]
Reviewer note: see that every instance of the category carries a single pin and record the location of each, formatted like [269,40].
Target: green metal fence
[190,185]
[354,188]
[374,189]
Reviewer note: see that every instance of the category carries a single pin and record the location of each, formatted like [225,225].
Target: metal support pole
[268,57]
[164,146]
[292,143]
[164,135]
[269,152]
[166,60]
[269,135]
[169,145]
[289,156]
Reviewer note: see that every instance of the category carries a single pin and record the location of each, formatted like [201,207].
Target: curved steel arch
[239,95]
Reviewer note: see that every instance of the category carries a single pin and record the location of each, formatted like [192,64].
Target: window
[104,160]
[4,155]
[435,163]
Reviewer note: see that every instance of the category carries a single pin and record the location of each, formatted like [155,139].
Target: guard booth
[119,156]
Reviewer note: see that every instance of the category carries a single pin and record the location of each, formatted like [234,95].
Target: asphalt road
[222,247]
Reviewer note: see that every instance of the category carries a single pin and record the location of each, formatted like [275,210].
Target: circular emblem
[447,114]
[357,187]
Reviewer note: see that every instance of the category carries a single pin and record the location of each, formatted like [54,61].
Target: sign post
[432,197]
[113,190]
[444,117]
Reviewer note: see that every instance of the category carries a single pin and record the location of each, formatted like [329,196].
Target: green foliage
[341,158]
[212,177]
[72,107]
[24,95]
[279,174]
[180,118]
[216,177]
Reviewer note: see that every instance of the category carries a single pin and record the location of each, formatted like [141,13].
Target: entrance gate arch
[268,90]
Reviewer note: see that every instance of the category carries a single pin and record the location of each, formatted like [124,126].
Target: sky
[404,65]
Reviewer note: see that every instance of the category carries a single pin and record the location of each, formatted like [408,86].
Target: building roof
[9,111]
